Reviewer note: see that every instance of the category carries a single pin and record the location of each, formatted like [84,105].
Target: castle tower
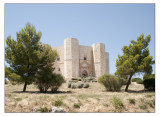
[99,60]
[71,58]
[107,62]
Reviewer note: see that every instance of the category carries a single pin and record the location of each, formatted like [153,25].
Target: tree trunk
[25,86]
[128,83]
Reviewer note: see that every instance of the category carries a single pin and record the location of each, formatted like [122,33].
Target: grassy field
[92,99]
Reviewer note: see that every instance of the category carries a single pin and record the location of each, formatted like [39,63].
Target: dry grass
[92,99]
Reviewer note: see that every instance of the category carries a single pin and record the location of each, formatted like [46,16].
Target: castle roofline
[71,38]
[98,43]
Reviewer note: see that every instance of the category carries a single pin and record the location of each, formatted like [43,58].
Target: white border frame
[157,54]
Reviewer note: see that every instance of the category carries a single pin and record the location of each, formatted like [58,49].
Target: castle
[76,60]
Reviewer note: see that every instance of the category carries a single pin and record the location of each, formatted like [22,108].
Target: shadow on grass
[140,91]
[48,92]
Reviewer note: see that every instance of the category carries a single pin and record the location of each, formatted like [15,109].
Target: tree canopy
[135,59]
[26,55]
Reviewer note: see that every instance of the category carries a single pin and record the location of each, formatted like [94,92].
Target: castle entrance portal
[84,73]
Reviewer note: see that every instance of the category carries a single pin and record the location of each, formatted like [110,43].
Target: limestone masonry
[76,60]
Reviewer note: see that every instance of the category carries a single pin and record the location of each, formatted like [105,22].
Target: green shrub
[143,107]
[153,101]
[135,79]
[139,81]
[46,79]
[69,85]
[118,103]
[110,82]
[86,85]
[56,82]
[150,103]
[148,76]
[72,81]
[18,99]
[79,85]
[94,80]
[75,79]
[43,109]
[58,103]
[76,105]
[74,85]
[132,101]
[123,81]
[149,95]
[149,84]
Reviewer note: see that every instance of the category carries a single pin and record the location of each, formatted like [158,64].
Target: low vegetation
[18,99]
[143,107]
[43,110]
[76,105]
[92,99]
[149,84]
[58,103]
[118,104]
[110,82]
[132,101]
[137,80]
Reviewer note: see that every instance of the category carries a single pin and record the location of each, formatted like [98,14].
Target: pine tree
[135,59]
[22,54]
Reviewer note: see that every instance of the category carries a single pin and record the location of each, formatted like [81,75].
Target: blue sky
[115,25]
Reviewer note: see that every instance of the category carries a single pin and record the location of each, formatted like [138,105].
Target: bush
[43,109]
[18,99]
[132,101]
[58,103]
[123,81]
[143,107]
[76,79]
[76,105]
[118,103]
[137,80]
[79,85]
[73,81]
[148,76]
[69,85]
[134,79]
[149,84]
[56,82]
[46,79]
[74,85]
[110,82]
[94,80]
[86,85]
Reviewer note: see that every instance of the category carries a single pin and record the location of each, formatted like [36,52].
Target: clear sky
[115,25]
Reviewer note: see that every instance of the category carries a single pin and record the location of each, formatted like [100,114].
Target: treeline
[30,61]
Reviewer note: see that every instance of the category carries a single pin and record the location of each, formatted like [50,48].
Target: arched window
[85,58]
[59,69]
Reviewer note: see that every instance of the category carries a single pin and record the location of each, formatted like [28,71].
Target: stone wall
[99,58]
[107,63]
[71,58]
[59,64]
[71,61]
[85,65]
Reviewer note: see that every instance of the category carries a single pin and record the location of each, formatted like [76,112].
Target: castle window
[59,69]
[58,59]
[85,58]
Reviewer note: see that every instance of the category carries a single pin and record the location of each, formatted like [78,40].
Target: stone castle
[76,60]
